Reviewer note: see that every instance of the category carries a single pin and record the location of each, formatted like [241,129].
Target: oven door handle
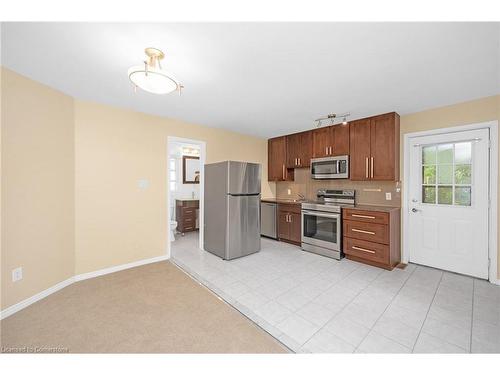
[316,213]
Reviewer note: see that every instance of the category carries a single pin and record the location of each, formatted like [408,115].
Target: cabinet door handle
[366,167]
[363,216]
[326,150]
[331,152]
[300,162]
[362,231]
[372,167]
[361,249]
[284,172]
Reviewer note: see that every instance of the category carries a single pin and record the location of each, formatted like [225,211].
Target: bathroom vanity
[187,214]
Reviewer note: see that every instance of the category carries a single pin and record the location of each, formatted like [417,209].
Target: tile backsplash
[367,192]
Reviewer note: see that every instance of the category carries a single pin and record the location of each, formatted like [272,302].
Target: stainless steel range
[322,222]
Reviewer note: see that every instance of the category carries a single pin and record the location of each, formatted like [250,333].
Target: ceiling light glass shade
[155,81]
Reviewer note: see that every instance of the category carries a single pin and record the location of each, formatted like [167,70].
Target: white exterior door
[448,201]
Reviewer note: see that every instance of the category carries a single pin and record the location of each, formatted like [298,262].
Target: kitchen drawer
[376,217]
[366,250]
[289,207]
[366,231]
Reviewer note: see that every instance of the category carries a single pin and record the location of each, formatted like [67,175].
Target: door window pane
[445,154]
[445,174]
[429,174]
[429,155]
[462,174]
[462,196]
[428,194]
[445,194]
[463,153]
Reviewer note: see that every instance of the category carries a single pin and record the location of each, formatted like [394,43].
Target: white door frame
[493,190]
[203,153]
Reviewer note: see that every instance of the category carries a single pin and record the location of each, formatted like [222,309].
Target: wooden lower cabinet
[185,215]
[289,223]
[372,236]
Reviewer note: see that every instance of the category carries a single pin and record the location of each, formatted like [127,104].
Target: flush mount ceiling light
[151,77]
[332,117]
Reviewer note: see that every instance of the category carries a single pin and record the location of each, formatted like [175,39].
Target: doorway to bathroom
[185,164]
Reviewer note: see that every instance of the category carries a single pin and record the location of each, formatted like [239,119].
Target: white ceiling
[265,79]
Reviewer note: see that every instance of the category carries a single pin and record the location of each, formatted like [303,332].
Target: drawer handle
[361,249]
[362,231]
[363,216]
[188,219]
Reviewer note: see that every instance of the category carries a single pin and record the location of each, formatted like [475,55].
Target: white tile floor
[316,304]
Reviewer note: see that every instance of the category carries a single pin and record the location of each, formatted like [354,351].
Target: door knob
[414,210]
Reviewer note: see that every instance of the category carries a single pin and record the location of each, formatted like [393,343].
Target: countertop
[284,201]
[367,207]
[361,207]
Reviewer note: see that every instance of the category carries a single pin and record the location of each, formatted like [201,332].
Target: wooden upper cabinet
[359,149]
[341,140]
[299,150]
[372,145]
[322,142]
[374,148]
[331,141]
[384,147]
[276,160]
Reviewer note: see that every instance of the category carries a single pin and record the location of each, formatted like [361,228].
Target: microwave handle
[338,166]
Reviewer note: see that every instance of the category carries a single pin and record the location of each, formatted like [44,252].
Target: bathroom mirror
[190,169]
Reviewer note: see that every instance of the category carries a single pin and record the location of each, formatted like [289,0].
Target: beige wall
[481,110]
[70,202]
[116,222]
[37,187]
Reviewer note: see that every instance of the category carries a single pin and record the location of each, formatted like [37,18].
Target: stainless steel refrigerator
[231,220]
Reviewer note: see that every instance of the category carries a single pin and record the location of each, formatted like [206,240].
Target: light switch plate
[143,184]
[17,274]
[388,196]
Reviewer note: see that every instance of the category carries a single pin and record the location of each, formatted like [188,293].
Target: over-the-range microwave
[329,168]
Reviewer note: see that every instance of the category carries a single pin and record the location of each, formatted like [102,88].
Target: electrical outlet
[388,196]
[17,274]
[289,191]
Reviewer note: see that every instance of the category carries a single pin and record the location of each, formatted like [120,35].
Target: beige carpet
[153,308]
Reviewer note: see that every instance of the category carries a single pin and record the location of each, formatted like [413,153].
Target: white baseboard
[84,276]
[37,297]
[121,267]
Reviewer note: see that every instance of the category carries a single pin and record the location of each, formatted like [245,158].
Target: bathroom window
[172,174]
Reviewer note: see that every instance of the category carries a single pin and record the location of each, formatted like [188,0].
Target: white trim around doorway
[203,153]
[493,190]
